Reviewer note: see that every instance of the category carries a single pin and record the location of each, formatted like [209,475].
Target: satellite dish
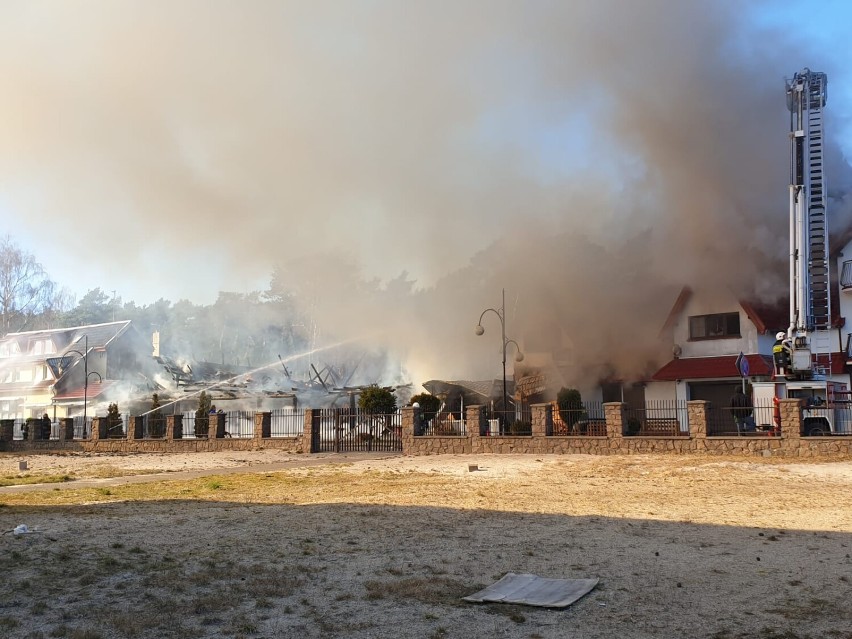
[677,351]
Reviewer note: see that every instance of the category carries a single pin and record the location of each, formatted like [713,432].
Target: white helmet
[780,335]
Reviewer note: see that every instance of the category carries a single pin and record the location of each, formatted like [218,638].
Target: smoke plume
[590,157]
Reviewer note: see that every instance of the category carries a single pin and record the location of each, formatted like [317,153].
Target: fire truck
[826,402]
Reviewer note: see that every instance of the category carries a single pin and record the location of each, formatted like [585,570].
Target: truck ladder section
[807,97]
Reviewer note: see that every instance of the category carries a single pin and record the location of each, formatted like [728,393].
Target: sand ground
[683,547]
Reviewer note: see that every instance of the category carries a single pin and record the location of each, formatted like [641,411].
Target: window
[720,325]
[42,347]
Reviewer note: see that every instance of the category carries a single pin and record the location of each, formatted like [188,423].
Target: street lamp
[86,372]
[519,356]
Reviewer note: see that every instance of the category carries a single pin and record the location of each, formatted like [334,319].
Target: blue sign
[742,365]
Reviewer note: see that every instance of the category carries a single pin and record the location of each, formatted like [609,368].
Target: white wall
[661,392]
[845,295]
[749,341]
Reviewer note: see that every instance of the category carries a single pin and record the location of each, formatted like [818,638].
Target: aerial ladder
[810,296]
[825,402]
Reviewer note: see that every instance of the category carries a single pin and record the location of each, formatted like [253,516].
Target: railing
[153,426]
[340,430]
[82,429]
[588,419]
[239,423]
[657,418]
[446,425]
[189,425]
[761,420]
[846,275]
[286,422]
[508,422]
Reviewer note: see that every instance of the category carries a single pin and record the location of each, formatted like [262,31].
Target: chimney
[155,340]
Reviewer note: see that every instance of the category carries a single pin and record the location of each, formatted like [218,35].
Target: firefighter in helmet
[782,354]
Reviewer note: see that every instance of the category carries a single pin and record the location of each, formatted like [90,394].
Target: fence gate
[340,430]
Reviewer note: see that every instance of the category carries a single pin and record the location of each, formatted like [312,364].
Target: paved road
[308,460]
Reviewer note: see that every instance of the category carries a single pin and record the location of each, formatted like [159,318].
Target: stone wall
[788,443]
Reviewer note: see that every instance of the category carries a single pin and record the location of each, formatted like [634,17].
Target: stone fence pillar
[696,411]
[7,430]
[216,426]
[100,428]
[542,419]
[135,427]
[174,426]
[476,426]
[66,429]
[614,412]
[791,418]
[262,425]
[411,420]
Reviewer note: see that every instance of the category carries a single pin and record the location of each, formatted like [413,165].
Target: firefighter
[782,354]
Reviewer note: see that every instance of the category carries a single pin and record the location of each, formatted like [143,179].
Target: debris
[532,590]
[21,529]
[472,467]
[22,465]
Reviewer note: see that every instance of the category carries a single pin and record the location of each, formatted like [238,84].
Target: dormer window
[717,326]
[42,347]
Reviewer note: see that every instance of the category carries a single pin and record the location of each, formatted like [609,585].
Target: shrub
[378,400]
[156,421]
[114,424]
[570,406]
[633,425]
[520,428]
[429,404]
[202,415]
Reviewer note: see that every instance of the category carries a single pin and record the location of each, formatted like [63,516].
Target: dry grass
[683,547]
[24,479]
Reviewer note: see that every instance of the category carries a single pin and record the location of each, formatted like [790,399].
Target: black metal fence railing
[444,425]
[342,430]
[154,426]
[761,419]
[239,423]
[193,428]
[82,428]
[509,422]
[658,418]
[286,422]
[588,419]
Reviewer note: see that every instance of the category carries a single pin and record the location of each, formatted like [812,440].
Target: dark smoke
[589,157]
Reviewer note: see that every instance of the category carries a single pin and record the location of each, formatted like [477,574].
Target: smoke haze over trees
[397,164]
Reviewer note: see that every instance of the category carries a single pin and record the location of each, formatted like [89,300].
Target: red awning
[711,367]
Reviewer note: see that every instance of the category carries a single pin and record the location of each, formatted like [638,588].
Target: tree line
[241,329]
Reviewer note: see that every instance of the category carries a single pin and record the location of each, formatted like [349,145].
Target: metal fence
[723,421]
[154,425]
[286,422]
[82,428]
[239,423]
[658,418]
[509,422]
[342,430]
[588,419]
[446,425]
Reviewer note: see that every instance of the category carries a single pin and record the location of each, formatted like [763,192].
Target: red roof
[94,389]
[711,367]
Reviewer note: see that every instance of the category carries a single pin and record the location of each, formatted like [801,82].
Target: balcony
[846,276]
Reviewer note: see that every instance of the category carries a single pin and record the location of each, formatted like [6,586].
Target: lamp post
[519,356]
[86,373]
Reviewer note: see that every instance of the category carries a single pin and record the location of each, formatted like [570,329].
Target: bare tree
[25,289]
